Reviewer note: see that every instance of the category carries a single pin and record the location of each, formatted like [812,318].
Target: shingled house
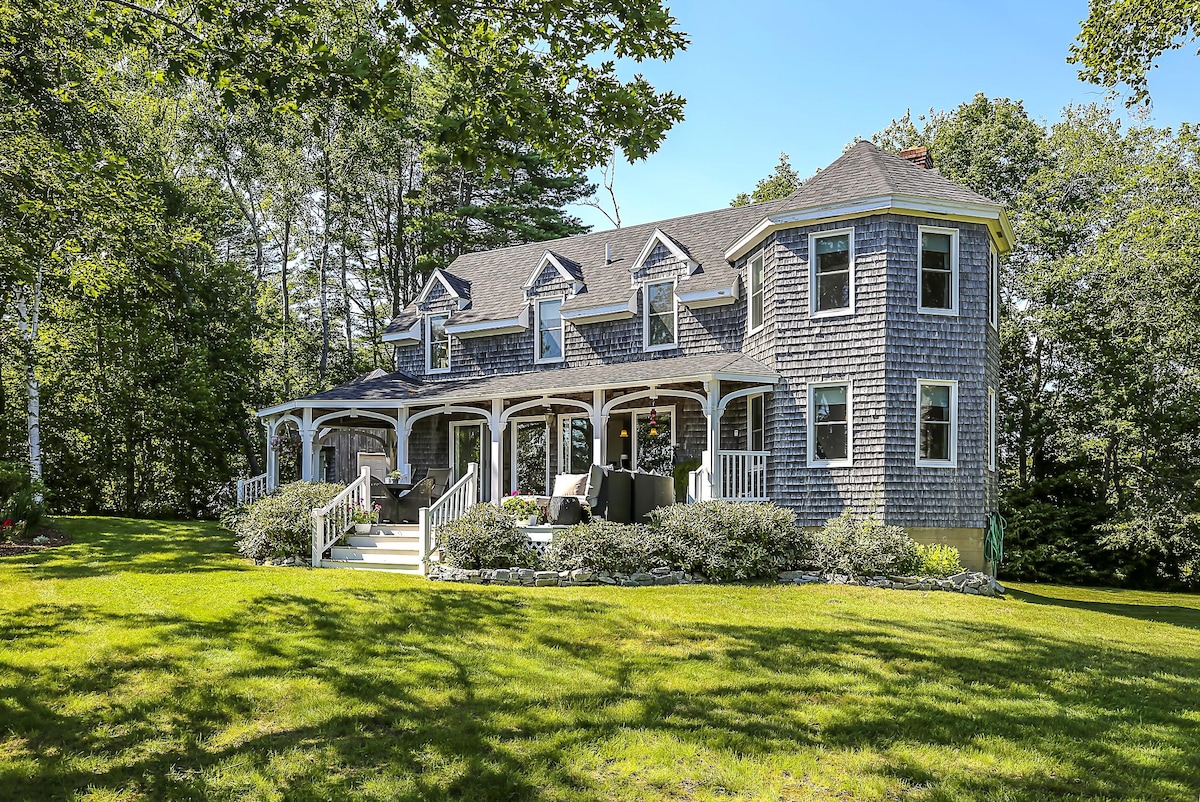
[837,347]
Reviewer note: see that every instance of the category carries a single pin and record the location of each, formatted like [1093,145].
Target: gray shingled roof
[401,386]
[496,277]
[865,171]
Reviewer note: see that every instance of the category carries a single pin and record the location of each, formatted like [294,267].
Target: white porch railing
[742,475]
[335,518]
[252,489]
[460,497]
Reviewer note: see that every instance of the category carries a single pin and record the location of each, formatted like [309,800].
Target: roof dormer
[567,270]
[454,286]
[659,237]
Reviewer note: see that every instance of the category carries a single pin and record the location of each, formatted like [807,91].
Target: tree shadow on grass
[437,692]
[106,546]
[1162,614]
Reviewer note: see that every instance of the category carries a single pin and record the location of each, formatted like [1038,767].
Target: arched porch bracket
[541,402]
[744,393]
[354,413]
[655,393]
[446,410]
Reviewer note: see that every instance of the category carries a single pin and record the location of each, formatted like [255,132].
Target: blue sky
[806,78]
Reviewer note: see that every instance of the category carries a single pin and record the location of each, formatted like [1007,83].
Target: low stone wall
[974,583]
[530,577]
[969,582]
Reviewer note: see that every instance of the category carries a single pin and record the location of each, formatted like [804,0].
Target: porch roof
[401,389]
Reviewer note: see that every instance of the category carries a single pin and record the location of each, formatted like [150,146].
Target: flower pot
[533,520]
[362,529]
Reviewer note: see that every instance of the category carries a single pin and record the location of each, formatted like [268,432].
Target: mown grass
[146,661]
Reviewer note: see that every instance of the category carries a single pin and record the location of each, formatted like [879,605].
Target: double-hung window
[993,425]
[830,433]
[831,281]
[756,431]
[937,269]
[660,325]
[549,337]
[755,274]
[994,288]
[437,344]
[937,422]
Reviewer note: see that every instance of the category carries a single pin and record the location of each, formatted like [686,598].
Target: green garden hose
[993,540]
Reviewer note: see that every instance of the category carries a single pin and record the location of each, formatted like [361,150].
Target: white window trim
[563,443]
[994,284]
[429,345]
[813,462]
[954,282]
[953,461]
[751,291]
[993,428]
[812,273]
[537,332]
[646,346]
[512,449]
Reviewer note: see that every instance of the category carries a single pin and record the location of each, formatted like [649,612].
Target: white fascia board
[655,238]
[410,335]
[750,378]
[599,314]
[490,328]
[699,299]
[993,216]
[436,275]
[548,257]
[285,407]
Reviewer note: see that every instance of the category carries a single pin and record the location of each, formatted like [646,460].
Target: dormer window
[660,318]
[548,339]
[437,344]
[831,255]
[755,274]
[938,270]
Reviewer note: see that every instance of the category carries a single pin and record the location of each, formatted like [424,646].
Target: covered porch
[699,419]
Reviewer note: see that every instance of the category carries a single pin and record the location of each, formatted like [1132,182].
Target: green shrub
[726,540]
[484,537]
[22,500]
[938,560]
[864,546]
[281,524]
[600,546]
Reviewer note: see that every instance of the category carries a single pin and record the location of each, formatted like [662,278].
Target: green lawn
[146,661]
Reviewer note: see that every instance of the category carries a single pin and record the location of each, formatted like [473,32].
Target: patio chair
[441,480]
[388,508]
[408,506]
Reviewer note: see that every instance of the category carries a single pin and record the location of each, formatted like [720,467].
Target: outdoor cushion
[565,511]
[595,480]
[570,484]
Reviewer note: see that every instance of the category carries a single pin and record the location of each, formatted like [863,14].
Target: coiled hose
[993,541]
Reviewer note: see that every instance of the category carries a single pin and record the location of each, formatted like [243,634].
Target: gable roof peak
[677,249]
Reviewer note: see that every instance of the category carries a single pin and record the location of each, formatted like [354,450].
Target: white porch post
[402,443]
[306,446]
[497,469]
[272,457]
[598,420]
[712,414]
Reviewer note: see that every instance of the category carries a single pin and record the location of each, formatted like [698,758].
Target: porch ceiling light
[624,432]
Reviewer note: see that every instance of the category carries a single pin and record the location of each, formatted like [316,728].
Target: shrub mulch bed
[54,538]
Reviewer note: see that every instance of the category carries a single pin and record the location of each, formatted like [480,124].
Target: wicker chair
[441,480]
[408,506]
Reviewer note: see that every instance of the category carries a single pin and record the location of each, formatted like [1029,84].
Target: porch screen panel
[655,452]
[577,445]
[532,465]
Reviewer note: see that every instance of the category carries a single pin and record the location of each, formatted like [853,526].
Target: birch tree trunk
[29,301]
[323,292]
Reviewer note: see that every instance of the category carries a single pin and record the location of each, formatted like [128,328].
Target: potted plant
[524,510]
[363,516]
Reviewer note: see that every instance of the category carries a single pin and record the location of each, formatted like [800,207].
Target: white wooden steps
[389,547]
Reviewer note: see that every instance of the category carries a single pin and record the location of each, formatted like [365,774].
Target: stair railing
[337,517]
[252,489]
[459,498]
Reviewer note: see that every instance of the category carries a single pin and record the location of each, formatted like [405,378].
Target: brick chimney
[919,157]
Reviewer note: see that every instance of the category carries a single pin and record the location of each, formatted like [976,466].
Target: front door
[466,446]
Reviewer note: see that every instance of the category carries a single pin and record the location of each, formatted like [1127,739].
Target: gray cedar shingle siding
[882,349]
